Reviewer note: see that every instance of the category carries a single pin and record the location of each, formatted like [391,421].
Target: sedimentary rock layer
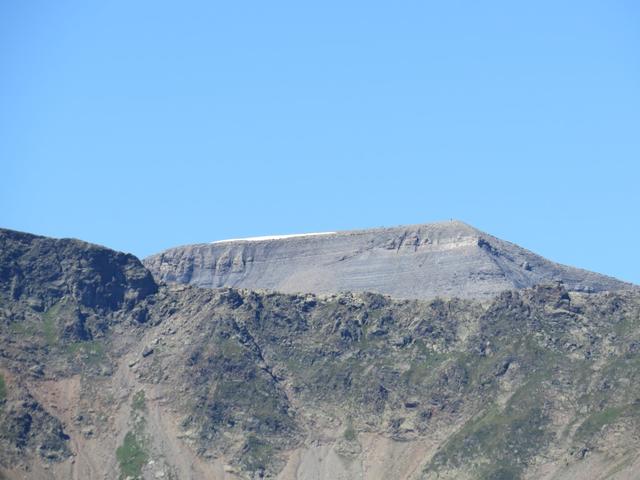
[449,259]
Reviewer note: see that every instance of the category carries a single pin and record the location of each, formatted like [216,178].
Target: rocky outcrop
[43,269]
[29,431]
[449,259]
[230,384]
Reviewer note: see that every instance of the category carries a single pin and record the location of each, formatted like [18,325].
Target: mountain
[449,259]
[106,373]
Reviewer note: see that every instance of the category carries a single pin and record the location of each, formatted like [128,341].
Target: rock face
[46,269]
[104,374]
[449,259]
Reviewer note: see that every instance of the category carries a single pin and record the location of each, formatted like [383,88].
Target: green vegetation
[232,350]
[257,454]
[49,325]
[256,397]
[3,389]
[367,341]
[594,423]
[424,366]
[625,325]
[499,441]
[138,403]
[92,351]
[349,433]
[22,328]
[232,393]
[49,331]
[132,456]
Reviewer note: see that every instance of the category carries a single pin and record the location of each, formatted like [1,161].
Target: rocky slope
[105,374]
[449,259]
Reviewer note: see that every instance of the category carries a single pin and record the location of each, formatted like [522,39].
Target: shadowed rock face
[45,269]
[103,374]
[359,386]
[449,259]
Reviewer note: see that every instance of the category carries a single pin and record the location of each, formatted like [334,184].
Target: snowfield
[272,237]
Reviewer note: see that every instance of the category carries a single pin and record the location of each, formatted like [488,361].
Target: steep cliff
[449,259]
[104,374]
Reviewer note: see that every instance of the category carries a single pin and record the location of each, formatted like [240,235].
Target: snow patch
[273,237]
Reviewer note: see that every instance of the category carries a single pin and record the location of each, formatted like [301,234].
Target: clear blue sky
[141,125]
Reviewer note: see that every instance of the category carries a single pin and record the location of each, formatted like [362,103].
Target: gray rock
[448,259]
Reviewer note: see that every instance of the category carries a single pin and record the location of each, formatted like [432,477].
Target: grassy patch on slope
[3,389]
[49,324]
[497,443]
[132,455]
[92,352]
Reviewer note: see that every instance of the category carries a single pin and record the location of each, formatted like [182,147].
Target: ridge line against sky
[149,125]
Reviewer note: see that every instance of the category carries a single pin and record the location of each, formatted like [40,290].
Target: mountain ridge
[106,374]
[450,259]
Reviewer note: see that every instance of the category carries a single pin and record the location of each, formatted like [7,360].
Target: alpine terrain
[450,259]
[432,351]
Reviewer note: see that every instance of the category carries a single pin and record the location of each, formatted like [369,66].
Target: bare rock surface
[448,259]
[106,375]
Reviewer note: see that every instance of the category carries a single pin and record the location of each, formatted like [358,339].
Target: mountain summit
[448,259]
[104,373]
